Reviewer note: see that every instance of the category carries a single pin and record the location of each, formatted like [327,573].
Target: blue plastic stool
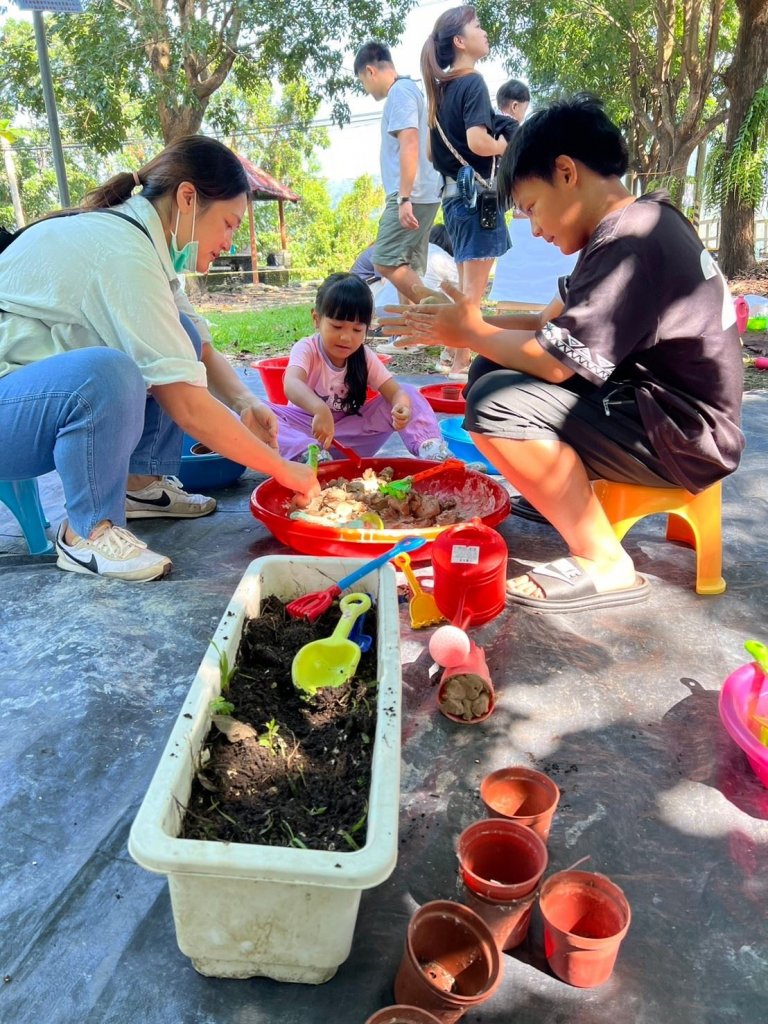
[23,499]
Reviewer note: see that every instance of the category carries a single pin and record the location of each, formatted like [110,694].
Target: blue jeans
[469,240]
[87,414]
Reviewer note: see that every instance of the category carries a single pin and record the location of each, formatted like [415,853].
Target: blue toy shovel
[357,636]
[312,606]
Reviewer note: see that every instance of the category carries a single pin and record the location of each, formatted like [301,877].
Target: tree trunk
[744,77]
[177,122]
[13,183]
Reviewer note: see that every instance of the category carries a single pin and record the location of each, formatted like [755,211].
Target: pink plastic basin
[744,695]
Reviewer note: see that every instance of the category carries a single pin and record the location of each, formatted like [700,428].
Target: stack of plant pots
[452,958]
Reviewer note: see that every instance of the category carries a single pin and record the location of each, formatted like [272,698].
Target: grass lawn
[263,332]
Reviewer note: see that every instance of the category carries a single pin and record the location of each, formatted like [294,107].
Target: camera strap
[491,183]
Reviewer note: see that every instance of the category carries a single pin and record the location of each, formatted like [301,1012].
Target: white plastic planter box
[242,910]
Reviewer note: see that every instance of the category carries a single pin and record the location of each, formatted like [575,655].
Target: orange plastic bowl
[482,496]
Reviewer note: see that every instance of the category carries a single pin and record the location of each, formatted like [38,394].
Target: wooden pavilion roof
[263,185]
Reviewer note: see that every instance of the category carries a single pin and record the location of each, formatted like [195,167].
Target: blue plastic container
[461,444]
[204,470]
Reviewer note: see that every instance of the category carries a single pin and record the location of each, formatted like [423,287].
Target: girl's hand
[451,324]
[401,413]
[301,479]
[323,426]
[261,421]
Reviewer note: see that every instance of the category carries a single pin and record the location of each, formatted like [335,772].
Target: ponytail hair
[439,53]
[209,165]
[347,297]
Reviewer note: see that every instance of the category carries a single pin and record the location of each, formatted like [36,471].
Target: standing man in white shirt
[411,183]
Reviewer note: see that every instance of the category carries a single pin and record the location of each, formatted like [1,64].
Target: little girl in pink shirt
[327,379]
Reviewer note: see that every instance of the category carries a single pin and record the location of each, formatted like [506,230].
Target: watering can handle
[409,544]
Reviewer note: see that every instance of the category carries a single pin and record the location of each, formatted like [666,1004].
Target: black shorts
[602,425]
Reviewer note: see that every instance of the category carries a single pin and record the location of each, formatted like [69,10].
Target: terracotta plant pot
[585,918]
[451,962]
[522,795]
[402,1015]
[508,922]
[501,860]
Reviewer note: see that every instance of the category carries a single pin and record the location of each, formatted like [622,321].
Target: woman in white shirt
[102,369]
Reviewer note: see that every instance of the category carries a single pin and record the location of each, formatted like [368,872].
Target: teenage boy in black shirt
[636,376]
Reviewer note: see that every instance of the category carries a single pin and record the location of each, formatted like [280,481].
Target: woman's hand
[452,324]
[323,426]
[261,421]
[301,479]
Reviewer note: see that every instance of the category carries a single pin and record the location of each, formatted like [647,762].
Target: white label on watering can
[467,554]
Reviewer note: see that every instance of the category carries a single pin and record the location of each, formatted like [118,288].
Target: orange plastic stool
[693,519]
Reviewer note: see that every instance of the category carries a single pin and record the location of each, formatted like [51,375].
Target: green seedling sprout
[759,653]
[220,706]
[272,738]
[226,671]
[348,835]
[293,840]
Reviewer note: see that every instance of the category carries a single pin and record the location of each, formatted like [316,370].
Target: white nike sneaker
[166,499]
[115,554]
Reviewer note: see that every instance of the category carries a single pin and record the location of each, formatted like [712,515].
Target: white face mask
[186,258]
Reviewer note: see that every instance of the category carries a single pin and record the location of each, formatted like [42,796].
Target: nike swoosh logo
[163,501]
[91,565]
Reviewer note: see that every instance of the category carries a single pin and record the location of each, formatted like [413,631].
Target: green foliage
[154,67]
[744,171]
[651,64]
[268,330]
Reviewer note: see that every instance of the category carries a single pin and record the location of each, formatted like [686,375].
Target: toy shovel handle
[352,607]
[405,564]
[424,474]
[408,544]
[347,452]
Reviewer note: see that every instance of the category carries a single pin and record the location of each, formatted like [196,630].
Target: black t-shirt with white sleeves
[465,104]
[647,308]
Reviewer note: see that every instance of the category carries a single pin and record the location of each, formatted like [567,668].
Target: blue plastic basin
[205,471]
[461,444]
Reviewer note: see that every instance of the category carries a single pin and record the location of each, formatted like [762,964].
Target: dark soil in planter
[303,779]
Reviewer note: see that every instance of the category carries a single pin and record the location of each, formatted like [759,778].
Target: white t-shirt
[93,280]
[329,382]
[405,108]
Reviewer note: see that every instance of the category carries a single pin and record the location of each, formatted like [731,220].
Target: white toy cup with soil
[241,909]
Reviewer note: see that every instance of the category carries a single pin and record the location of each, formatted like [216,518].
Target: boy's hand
[301,479]
[323,426]
[401,414]
[450,323]
[261,421]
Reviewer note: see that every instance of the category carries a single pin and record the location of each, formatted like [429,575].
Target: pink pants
[366,432]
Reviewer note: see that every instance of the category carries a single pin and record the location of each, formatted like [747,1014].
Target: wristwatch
[403,199]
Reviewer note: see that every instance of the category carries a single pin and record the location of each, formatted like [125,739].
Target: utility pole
[61,7]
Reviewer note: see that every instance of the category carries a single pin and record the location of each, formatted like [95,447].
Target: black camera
[488,208]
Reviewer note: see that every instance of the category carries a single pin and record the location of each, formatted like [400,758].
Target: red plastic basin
[445,397]
[483,496]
